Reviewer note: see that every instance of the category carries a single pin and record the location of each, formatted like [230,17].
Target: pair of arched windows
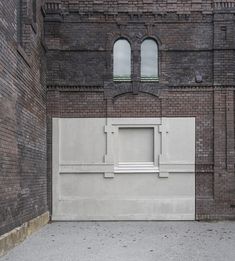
[122,60]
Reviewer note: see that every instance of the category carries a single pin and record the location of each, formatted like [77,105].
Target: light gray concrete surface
[162,184]
[129,241]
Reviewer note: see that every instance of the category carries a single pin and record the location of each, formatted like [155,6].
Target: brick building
[66,89]
[23,178]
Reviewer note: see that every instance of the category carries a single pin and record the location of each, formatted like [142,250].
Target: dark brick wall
[137,5]
[66,60]
[23,179]
[196,38]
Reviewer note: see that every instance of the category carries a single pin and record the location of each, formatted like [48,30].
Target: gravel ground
[129,241]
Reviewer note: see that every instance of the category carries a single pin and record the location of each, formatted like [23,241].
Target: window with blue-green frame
[149,60]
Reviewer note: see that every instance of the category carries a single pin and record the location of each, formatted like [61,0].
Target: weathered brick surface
[23,177]
[136,5]
[196,38]
[175,46]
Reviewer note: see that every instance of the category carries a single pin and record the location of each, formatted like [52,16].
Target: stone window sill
[147,167]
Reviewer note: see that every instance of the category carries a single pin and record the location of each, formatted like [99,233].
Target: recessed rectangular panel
[181,140]
[82,140]
[136,144]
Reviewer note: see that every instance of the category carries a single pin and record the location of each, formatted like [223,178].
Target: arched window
[121,60]
[149,60]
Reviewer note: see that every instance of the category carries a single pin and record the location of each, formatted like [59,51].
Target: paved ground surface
[129,241]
